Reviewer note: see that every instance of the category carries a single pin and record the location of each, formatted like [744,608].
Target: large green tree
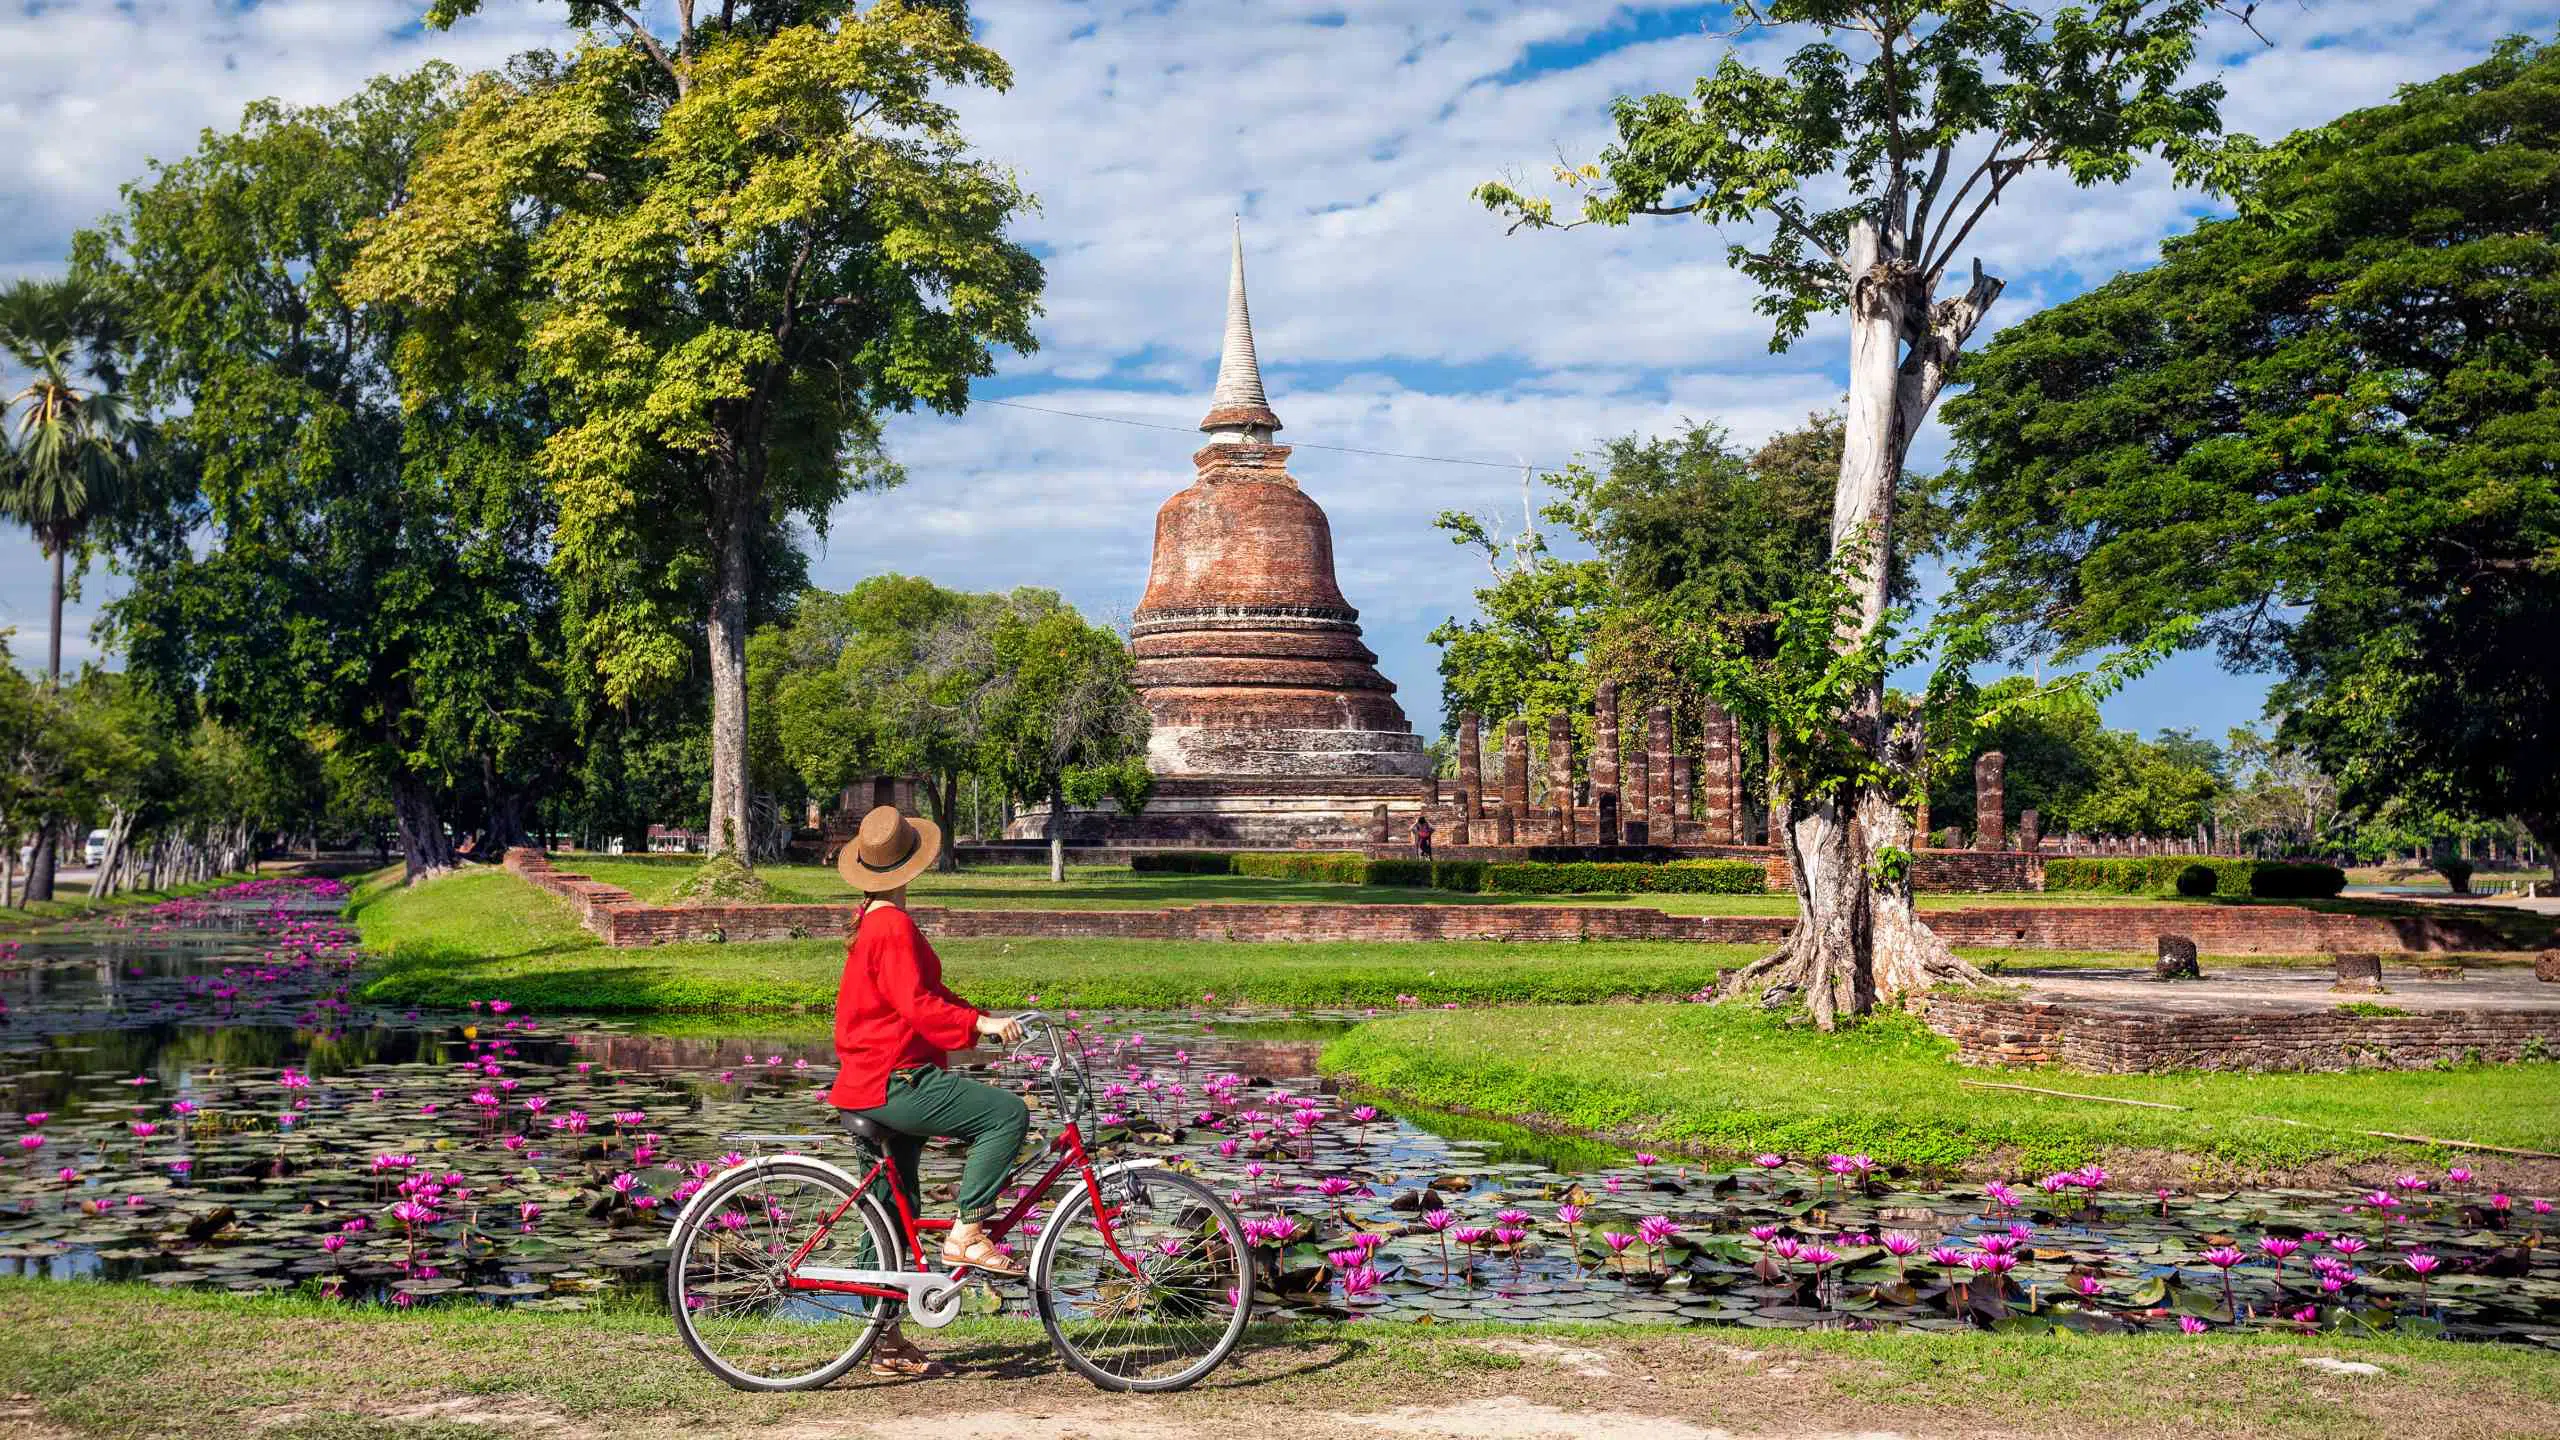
[2330,431]
[1857,175]
[321,560]
[1064,726]
[738,240]
[896,676]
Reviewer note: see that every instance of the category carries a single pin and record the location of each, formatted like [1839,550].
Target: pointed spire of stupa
[1238,410]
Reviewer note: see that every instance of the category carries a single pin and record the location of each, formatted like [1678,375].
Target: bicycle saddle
[869,1132]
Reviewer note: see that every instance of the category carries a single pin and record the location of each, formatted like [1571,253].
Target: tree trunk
[944,792]
[40,864]
[506,814]
[53,653]
[424,849]
[1058,835]
[728,823]
[117,857]
[1858,936]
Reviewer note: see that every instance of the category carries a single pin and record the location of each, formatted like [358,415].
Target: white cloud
[1392,311]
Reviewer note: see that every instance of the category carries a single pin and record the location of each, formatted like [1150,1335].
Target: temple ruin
[1272,725]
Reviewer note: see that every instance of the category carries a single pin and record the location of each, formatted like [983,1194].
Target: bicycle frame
[1068,1145]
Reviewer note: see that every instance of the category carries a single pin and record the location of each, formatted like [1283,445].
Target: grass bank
[485,933]
[1736,1080]
[95,1360]
[46,914]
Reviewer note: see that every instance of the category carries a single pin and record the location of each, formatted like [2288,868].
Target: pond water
[198,1098]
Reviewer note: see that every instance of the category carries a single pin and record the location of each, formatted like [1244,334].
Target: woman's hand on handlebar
[1000,1027]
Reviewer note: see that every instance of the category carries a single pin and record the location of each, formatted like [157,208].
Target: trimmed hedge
[2195,876]
[1405,874]
[2296,880]
[1603,877]
[1183,862]
[1464,876]
[1334,867]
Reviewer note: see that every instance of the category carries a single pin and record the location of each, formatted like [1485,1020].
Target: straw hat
[888,851]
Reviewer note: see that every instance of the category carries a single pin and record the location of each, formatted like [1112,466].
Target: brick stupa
[1272,725]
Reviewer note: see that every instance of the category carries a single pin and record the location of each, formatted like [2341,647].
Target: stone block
[2546,967]
[2358,974]
[2177,959]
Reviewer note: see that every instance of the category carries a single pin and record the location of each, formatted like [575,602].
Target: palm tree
[65,446]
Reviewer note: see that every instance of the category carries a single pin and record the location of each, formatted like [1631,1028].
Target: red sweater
[892,1010]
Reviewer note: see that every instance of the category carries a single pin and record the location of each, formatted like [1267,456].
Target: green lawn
[1736,1080]
[72,903]
[110,1360]
[485,933]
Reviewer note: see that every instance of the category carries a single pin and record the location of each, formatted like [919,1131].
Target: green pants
[927,1101]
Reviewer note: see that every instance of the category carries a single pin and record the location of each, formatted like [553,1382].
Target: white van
[96,849]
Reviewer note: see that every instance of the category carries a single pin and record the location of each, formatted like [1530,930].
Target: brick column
[1470,767]
[1515,776]
[1635,812]
[1718,744]
[1378,823]
[1604,759]
[1920,762]
[1657,769]
[1560,775]
[1684,781]
[1990,803]
[2030,831]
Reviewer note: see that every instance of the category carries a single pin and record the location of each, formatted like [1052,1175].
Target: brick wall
[2216,929]
[620,919]
[2115,1041]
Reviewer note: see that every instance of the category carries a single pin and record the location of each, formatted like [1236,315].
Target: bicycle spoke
[1172,1318]
[730,1270]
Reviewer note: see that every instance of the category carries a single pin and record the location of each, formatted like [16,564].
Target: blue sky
[1392,313]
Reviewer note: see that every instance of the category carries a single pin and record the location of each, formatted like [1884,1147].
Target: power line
[1294,445]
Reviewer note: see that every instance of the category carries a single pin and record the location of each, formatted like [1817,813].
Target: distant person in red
[895,1027]
[1422,835]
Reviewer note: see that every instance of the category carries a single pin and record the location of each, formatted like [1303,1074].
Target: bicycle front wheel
[728,1260]
[1152,1292]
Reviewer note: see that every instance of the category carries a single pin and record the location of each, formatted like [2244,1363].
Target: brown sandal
[906,1363]
[983,1257]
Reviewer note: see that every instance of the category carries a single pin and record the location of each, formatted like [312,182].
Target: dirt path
[82,1360]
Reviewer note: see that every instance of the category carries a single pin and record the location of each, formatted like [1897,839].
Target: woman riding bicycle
[895,1026]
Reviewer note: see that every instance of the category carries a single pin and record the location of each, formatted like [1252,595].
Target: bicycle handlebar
[1068,1108]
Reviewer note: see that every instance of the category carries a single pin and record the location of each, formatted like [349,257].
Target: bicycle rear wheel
[726,1264]
[1168,1315]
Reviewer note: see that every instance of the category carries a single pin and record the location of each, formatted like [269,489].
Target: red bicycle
[785,1269]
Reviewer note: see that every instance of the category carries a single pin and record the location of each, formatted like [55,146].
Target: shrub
[1464,876]
[1183,862]
[1332,866]
[2193,875]
[1410,874]
[2295,880]
[2116,874]
[1622,877]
